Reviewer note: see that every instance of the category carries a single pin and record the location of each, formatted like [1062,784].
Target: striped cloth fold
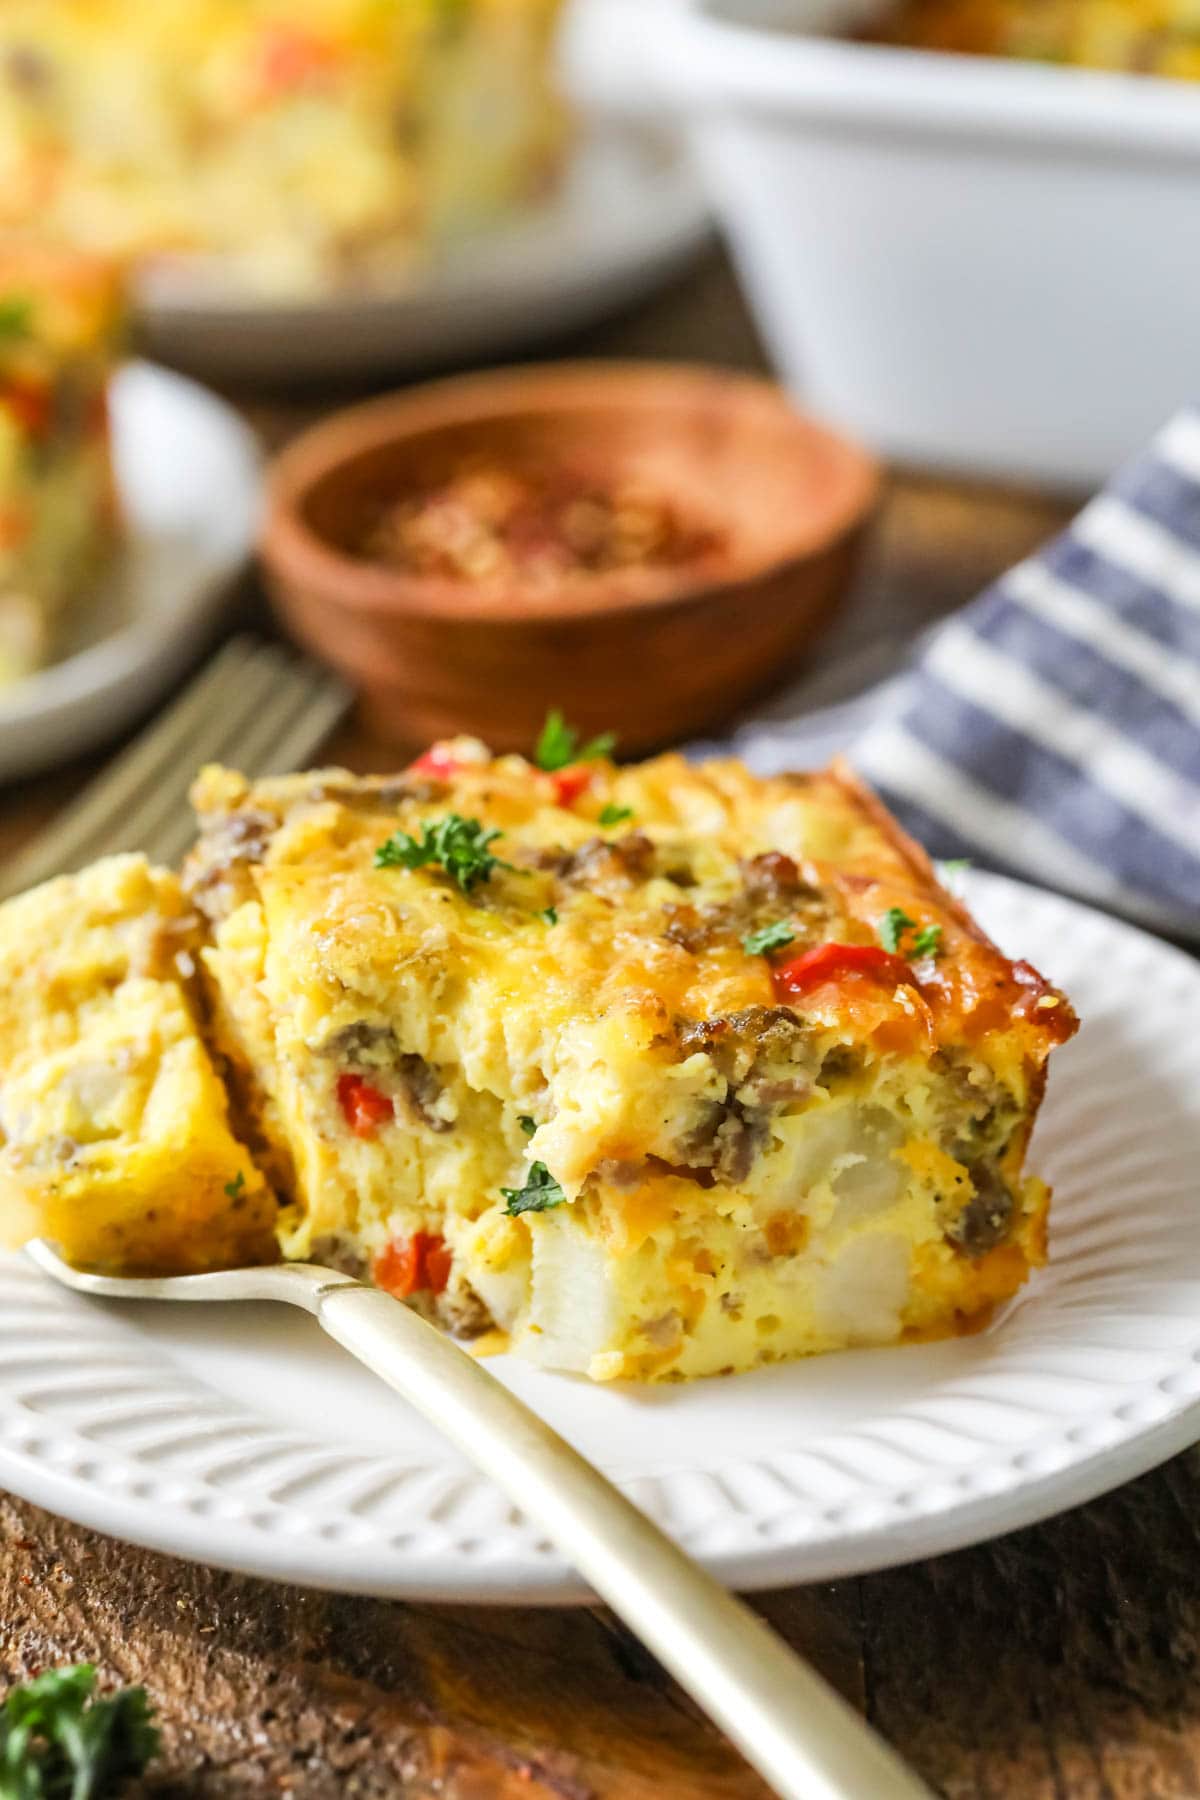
[1052,728]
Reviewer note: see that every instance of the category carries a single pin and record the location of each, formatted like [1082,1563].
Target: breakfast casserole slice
[61,321]
[258,148]
[663,1071]
[114,1134]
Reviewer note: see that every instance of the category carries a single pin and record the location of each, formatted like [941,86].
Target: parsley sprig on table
[895,924]
[558,745]
[539,1194]
[459,845]
[768,937]
[58,1741]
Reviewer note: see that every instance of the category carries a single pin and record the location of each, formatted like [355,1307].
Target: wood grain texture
[1056,1664]
[1062,1663]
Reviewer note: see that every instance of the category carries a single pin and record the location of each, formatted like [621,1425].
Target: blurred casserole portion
[61,323]
[296,144]
[1153,37]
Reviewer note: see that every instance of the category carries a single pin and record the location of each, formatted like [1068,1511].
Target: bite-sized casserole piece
[298,143]
[114,1133]
[61,321]
[664,1070]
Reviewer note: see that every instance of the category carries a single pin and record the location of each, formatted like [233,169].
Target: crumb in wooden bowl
[652,543]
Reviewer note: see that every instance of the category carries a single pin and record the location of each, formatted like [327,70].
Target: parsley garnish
[528,1126]
[768,937]
[59,1742]
[233,1188]
[894,923]
[550,915]
[615,815]
[539,1194]
[559,745]
[927,939]
[16,317]
[460,845]
[956,865]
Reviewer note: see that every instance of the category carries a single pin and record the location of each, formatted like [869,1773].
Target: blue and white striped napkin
[1052,728]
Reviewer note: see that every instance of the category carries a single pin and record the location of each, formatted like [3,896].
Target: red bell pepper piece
[437,762]
[31,404]
[417,1264]
[363,1106]
[435,1260]
[827,962]
[289,57]
[569,783]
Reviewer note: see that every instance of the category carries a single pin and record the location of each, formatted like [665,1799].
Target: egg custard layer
[663,1071]
[114,1131]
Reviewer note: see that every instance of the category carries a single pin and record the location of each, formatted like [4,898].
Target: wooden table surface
[1061,1663]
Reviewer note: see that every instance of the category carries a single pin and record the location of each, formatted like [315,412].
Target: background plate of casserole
[188,487]
[244,1439]
[628,211]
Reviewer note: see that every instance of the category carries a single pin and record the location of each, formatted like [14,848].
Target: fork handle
[800,1735]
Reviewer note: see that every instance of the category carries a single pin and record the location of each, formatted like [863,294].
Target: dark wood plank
[1059,1663]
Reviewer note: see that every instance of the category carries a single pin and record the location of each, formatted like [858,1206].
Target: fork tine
[102,801]
[250,694]
[309,732]
[155,777]
[281,736]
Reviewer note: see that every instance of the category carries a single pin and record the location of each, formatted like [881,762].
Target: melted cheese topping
[739,1180]
[558,1097]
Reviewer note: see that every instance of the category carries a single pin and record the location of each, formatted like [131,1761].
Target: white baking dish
[979,264]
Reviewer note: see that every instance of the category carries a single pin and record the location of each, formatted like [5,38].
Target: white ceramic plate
[243,1438]
[189,483]
[629,212]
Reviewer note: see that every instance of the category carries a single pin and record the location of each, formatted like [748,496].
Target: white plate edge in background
[631,212]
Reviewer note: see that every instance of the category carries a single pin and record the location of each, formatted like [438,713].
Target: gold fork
[260,707]
[264,709]
[800,1735]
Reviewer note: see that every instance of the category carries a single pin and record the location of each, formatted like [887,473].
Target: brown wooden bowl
[654,653]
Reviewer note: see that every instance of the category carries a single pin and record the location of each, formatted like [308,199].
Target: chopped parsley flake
[926,940]
[894,923]
[615,815]
[528,1125]
[550,915]
[558,745]
[768,937]
[539,1194]
[16,316]
[234,1188]
[460,845]
[956,865]
[59,1742]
